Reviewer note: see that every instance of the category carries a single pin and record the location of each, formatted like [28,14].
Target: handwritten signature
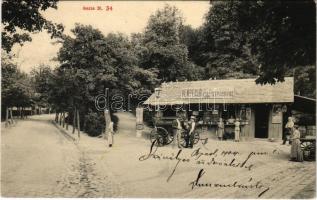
[235,184]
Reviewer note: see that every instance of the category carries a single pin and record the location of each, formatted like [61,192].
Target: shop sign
[207,93]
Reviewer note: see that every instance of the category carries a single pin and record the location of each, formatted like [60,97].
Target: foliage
[305,80]
[162,49]
[16,89]
[22,16]
[92,62]
[274,36]
[94,123]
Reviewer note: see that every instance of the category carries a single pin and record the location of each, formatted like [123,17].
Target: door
[261,121]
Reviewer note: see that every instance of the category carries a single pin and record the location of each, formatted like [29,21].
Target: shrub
[94,124]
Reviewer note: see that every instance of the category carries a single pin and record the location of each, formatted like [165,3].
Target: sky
[126,17]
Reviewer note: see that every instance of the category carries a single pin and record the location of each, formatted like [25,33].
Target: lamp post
[157,96]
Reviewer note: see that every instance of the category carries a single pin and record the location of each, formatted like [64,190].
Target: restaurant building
[261,109]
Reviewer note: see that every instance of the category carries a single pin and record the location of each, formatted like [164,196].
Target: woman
[220,129]
[296,152]
[237,130]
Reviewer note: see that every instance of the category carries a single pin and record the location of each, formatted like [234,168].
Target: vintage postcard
[158,99]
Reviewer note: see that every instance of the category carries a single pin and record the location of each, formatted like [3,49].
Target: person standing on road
[237,130]
[177,131]
[288,130]
[296,152]
[191,133]
[221,128]
[110,134]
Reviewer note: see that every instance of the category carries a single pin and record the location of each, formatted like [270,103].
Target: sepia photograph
[186,99]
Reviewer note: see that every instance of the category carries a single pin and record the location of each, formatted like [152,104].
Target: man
[190,136]
[177,131]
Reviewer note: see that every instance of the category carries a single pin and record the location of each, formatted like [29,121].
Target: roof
[223,91]
[304,104]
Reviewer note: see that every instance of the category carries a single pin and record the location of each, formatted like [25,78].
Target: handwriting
[235,184]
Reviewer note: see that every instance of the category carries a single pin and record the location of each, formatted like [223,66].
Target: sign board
[207,93]
[139,115]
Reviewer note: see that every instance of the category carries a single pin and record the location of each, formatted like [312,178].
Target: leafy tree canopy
[19,17]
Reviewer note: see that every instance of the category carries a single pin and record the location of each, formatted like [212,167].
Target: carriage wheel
[170,137]
[158,134]
[306,146]
[310,147]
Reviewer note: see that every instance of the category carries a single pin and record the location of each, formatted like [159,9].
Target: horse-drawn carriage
[163,133]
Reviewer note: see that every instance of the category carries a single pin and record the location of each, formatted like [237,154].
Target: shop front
[260,109]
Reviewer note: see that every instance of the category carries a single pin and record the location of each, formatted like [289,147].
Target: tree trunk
[84,125]
[63,119]
[67,121]
[74,121]
[56,117]
[11,117]
[20,111]
[7,117]
[78,124]
[60,119]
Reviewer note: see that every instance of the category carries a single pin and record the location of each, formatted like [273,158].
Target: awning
[304,104]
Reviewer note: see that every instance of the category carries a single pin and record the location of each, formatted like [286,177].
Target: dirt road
[37,160]
[40,159]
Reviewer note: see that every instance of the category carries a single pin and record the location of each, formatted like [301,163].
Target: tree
[21,17]
[16,88]
[261,37]
[96,62]
[162,47]
[305,80]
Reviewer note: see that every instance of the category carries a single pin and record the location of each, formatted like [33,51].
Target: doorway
[261,121]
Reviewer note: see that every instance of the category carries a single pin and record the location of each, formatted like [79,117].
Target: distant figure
[110,134]
[237,130]
[296,152]
[288,130]
[221,128]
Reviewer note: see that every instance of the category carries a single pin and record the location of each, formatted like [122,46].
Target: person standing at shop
[221,128]
[296,152]
[190,136]
[288,130]
[237,130]
[177,126]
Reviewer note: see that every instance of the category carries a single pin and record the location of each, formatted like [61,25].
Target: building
[262,109]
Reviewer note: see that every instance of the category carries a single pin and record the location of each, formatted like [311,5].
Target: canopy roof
[233,91]
[304,104]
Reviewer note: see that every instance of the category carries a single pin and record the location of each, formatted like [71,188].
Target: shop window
[169,113]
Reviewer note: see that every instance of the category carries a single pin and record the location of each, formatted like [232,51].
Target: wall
[247,131]
[275,130]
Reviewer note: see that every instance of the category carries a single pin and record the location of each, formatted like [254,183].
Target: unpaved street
[41,159]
